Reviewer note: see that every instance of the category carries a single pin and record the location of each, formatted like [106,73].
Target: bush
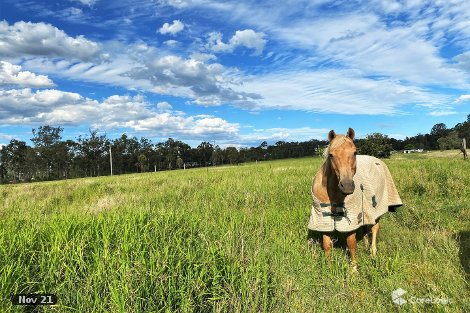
[375,144]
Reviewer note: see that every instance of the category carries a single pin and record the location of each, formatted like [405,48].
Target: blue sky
[237,72]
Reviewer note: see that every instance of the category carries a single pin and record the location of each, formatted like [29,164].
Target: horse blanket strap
[339,205]
[336,214]
[374,195]
[341,214]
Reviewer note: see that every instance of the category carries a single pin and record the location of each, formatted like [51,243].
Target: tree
[205,150]
[93,150]
[46,141]
[451,141]
[125,152]
[375,144]
[463,129]
[232,155]
[179,162]
[217,156]
[439,130]
[142,161]
[3,165]
[14,158]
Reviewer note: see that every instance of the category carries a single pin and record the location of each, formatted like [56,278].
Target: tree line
[51,158]
[439,138]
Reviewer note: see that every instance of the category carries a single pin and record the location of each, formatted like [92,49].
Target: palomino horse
[349,192]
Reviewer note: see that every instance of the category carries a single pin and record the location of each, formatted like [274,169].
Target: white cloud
[363,42]
[112,72]
[194,78]
[22,105]
[335,91]
[177,3]
[11,74]
[5,138]
[166,124]
[250,39]
[389,6]
[203,57]
[171,43]
[173,28]
[272,135]
[366,37]
[207,84]
[40,39]
[56,107]
[87,2]
[247,38]
[462,98]
[442,113]
[164,106]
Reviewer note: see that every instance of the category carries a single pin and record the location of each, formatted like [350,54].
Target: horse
[344,202]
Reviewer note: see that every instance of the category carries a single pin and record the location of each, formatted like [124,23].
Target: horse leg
[352,245]
[366,237]
[327,244]
[375,232]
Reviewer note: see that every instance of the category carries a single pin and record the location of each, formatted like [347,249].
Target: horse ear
[351,133]
[331,135]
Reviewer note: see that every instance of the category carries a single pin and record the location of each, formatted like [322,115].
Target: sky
[233,72]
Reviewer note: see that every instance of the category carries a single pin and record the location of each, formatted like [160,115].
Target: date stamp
[34,299]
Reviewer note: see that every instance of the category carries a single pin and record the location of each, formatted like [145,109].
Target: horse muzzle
[346,186]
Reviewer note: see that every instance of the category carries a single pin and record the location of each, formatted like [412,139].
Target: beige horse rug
[374,195]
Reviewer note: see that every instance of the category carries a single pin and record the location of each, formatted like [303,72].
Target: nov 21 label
[34,299]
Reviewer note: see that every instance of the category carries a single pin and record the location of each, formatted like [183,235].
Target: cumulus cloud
[20,105]
[247,38]
[173,28]
[164,106]
[56,107]
[41,39]
[273,135]
[171,43]
[11,75]
[205,83]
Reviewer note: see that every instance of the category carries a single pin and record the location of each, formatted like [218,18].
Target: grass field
[231,239]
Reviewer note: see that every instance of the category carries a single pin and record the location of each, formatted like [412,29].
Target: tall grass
[229,239]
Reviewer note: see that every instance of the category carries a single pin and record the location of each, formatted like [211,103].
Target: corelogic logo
[397,296]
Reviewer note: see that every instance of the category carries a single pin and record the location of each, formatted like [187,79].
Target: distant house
[413,151]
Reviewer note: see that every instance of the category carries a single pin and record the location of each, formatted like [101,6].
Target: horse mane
[337,141]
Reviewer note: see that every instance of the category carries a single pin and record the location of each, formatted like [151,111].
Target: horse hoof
[354,269]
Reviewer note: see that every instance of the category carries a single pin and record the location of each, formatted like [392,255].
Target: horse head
[342,158]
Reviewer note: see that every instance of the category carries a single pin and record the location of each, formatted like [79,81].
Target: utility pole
[111,159]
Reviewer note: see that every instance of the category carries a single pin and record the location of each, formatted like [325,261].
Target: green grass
[230,239]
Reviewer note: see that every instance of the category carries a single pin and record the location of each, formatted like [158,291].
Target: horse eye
[330,155]
[355,153]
